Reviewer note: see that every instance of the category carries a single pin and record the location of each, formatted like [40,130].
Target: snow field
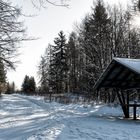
[31,118]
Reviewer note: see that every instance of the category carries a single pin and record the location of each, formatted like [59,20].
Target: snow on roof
[112,70]
[133,64]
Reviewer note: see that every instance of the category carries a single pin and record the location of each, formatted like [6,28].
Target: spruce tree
[2,73]
[58,64]
[32,85]
[72,61]
[13,87]
[44,71]
[2,77]
[43,75]
[10,88]
[25,84]
[29,85]
[95,39]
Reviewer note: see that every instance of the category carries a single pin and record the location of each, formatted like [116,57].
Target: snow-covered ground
[31,118]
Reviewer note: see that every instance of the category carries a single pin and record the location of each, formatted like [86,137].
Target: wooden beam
[134,112]
[132,105]
[116,76]
[127,101]
[126,107]
[123,98]
[122,104]
[124,79]
[108,73]
[117,83]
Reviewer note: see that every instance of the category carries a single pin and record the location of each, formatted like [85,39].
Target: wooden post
[97,96]
[134,110]
[127,106]
[134,113]
[121,100]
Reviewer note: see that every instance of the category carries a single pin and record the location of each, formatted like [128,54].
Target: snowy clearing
[30,118]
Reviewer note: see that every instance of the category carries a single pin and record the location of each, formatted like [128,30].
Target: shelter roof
[123,73]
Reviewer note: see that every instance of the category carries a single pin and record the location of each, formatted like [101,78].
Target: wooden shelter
[122,74]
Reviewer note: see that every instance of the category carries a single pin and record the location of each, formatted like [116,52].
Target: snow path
[30,118]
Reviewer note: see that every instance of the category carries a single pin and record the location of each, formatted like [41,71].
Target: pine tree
[2,73]
[95,39]
[100,29]
[10,88]
[44,71]
[2,77]
[58,64]
[43,75]
[32,85]
[72,61]
[29,85]
[25,85]
[13,87]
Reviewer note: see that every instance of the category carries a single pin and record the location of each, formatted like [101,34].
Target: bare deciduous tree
[11,33]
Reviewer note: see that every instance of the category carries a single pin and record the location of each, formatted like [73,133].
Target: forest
[72,64]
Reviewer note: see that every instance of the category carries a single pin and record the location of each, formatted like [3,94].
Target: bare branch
[42,3]
[11,33]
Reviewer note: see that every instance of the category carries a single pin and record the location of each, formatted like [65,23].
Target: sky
[45,25]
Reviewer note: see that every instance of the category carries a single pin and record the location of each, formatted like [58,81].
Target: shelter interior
[122,75]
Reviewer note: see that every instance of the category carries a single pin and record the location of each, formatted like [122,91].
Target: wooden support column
[127,106]
[134,112]
[123,98]
[120,97]
[125,101]
[134,105]
[97,96]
